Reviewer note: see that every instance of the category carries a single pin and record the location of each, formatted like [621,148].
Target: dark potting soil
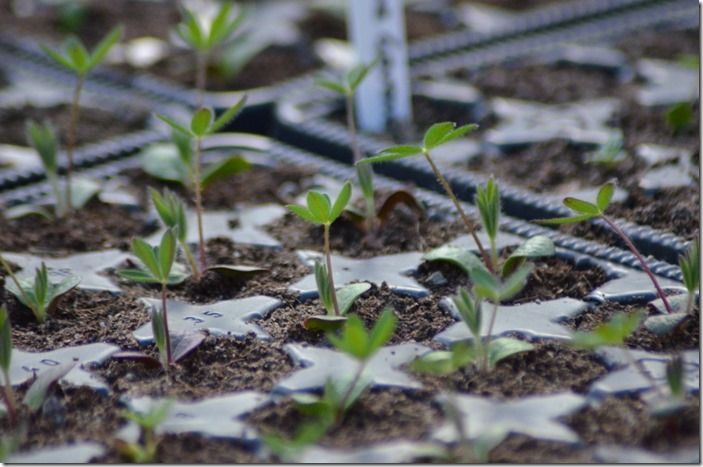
[93,124]
[139,17]
[280,184]
[81,317]
[380,415]
[97,226]
[648,125]
[675,210]
[549,368]
[665,45]
[273,65]
[284,268]
[554,84]
[686,337]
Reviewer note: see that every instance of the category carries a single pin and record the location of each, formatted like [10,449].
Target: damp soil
[97,226]
[685,337]
[665,45]
[279,184]
[94,124]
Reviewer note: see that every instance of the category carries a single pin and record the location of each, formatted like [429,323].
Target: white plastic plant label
[377,29]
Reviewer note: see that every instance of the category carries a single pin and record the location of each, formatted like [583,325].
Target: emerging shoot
[76,59]
[144,451]
[5,361]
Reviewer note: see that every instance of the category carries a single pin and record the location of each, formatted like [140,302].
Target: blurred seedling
[75,58]
[609,155]
[144,449]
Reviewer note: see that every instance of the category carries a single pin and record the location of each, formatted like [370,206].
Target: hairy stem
[494,253]
[169,356]
[9,396]
[71,143]
[191,261]
[330,273]
[199,204]
[641,260]
[348,392]
[487,345]
[457,205]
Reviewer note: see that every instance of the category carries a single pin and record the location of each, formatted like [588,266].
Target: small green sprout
[679,117]
[5,361]
[690,265]
[437,135]
[585,210]
[347,86]
[610,154]
[470,308]
[145,451]
[157,268]
[288,450]
[202,124]
[204,38]
[41,294]
[321,211]
[76,58]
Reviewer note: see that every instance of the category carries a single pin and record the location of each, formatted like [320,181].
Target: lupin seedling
[144,450]
[435,136]
[5,362]
[586,210]
[202,124]
[76,58]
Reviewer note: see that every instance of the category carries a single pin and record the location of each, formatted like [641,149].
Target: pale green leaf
[223,169]
[535,247]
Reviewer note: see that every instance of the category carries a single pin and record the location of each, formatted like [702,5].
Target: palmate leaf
[175,125]
[605,194]
[319,206]
[534,247]
[341,202]
[359,343]
[488,202]
[504,347]
[103,48]
[581,206]
[614,332]
[460,257]
[347,295]
[444,132]
[303,212]
[446,362]
[357,74]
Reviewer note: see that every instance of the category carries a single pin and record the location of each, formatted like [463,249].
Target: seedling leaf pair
[585,210]
[319,209]
[202,121]
[157,262]
[462,354]
[40,294]
[613,332]
[205,37]
[350,82]
[75,57]
[360,344]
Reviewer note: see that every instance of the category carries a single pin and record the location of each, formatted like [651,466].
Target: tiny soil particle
[280,184]
[96,226]
[686,337]
[380,415]
[547,369]
[219,365]
[626,421]
[81,317]
[283,267]
[94,124]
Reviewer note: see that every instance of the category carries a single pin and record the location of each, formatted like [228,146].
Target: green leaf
[341,202]
[460,257]
[354,340]
[690,265]
[147,255]
[319,206]
[324,288]
[59,58]
[24,210]
[515,282]
[233,271]
[605,194]
[679,116]
[34,398]
[566,220]
[382,331]
[356,75]
[441,133]
[174,125]
[364,173]
[218,28]
[228,115]
[392,153]
[303,212]
[167,253]
[190,31]
[57,289]
[223,169]
[346,296]
[486,285]
[78,55]
[163,162]
[537,246]
[42,138]
[83,190]
[488,202]
[104,46]
[445,362]
[331,85]
[324,323]
[158,328]
[5,340]
[614,332]
[504,347]
[139,276]
[581,206]
[469,309]
[200,123]
[661,325]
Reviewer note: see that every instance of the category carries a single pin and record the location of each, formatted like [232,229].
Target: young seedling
[358,343]
[157,269]
[347,87]
[321,211]
[470,307]
[5,361]
[288,449]
[41,294]
[585,210]
[204,38]
[679,117]
[171,210]
[614,333]
[690,265]
[76,59]
[437,135]
[609,155]
[144,451]
[202,124]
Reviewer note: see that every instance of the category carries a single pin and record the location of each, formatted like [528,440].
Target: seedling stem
[486,346]
[70,144]
[169,356]
[9,396]
[343,402]
[330,274]
[199,203]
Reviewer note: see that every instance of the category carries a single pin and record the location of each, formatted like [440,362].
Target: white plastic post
[377,30]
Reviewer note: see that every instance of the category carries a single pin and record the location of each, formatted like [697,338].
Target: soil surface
[93,124]
[666,45]
[95,227]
